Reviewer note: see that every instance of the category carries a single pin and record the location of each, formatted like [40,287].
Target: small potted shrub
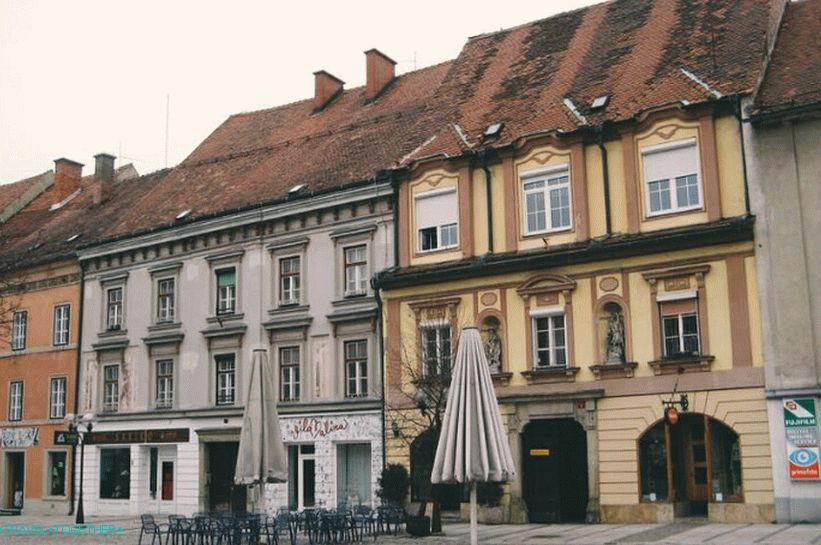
[489,498]
[393,485]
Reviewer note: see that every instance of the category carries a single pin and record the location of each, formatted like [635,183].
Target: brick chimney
[326,88]
[103,177]
[381,71]
[67,175]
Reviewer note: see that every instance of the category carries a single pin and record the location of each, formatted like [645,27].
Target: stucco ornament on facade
[19,437]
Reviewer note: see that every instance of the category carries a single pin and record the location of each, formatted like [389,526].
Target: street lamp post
[82,425]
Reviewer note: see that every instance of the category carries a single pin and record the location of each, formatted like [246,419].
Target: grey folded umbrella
[261,457]
[472,445]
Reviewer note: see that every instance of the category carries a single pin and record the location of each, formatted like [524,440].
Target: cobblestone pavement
[679,533]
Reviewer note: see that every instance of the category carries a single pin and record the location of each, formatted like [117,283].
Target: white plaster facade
[323,318]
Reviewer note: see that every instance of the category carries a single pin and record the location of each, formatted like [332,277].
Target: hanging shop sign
[801,428]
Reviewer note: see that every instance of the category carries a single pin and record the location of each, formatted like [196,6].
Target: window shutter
[438,208]
[664,164]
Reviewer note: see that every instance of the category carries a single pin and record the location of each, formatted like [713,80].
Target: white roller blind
[670,161]
[436,208]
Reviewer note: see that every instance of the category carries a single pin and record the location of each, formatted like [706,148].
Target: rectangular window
[165,300]
[550,336]
[226,379]
[111,388]
[57,398]
[115,473]
[19,323]
[680,328]
[226,291]
[436,350]
[356,270]
[437,219]
[289,280]
[547,202]
[289,373]
[16,401]
[353,473]
[114,309]
[62,317]
[56,478]
[671,176]
[356,368]
[165,384]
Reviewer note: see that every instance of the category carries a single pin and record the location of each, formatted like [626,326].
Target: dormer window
[547,200]
[671,174]
[437,219]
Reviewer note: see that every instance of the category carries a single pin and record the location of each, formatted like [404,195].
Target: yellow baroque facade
[611,281]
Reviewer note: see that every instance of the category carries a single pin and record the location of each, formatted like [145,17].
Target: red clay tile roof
[37,235]
[256,157]
[10,192]
[793,78]
[636,51]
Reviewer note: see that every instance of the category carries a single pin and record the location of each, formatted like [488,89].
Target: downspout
[743,153]
[395,208]
[77,384]
[489,196]
[381,340]
[605,178]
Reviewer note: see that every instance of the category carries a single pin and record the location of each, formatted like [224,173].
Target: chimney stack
[326,88]
[67,176]
[381,71]
[103,177]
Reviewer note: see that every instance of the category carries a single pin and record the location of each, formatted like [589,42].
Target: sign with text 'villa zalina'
[801,428]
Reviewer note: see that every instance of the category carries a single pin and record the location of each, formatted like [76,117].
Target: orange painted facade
[29,439]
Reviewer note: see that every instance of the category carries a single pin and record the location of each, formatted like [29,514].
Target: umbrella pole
[474,530]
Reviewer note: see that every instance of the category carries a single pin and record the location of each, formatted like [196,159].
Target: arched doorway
[554,470]
[690,464]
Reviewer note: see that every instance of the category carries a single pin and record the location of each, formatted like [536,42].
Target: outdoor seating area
[309,526]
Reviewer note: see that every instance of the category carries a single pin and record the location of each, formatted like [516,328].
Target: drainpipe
[483,153]
[381,344]
[743,153]
[391,175]
[77,384]
[605,177]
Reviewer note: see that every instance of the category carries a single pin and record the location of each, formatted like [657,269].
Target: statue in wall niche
[615,338]
[493,351]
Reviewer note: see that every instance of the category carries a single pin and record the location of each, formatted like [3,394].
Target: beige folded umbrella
[473,445]
[261,457]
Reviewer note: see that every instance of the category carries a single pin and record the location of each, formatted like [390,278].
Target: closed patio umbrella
[472,446]
[261,457]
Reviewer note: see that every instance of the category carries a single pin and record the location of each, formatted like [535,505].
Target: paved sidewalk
[678,533]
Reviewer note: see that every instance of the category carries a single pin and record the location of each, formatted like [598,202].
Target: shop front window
[115,473]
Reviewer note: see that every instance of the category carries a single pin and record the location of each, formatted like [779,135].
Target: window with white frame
[62,319]
[547,200]
[356,368]
[111,388]
[290,280]
[436,349]
[671,175]
[226,379]
[57,398]
[114,308]
[165,384]
[289,373]
[16,401]
[19,324]
[356,270]
[679,324]
[226,290]
[166,288]
[437,219]
[549,340]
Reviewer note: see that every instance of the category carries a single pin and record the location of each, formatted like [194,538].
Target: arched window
[695,461]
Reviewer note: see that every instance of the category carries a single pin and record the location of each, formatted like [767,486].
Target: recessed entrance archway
[554,470]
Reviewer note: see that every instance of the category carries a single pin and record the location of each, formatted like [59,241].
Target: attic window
[72,238]
[600,102]
[493,130]
[296,189]
[184,213]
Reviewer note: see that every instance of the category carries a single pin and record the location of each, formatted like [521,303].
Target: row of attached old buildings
[621,198]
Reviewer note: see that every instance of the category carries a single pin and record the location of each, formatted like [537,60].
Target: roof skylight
[184,213]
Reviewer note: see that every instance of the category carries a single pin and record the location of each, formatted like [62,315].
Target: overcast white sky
[81,77]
